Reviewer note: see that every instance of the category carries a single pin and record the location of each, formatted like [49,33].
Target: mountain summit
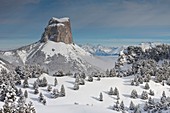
[58,30]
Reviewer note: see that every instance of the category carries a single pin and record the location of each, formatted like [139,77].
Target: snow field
[85,100]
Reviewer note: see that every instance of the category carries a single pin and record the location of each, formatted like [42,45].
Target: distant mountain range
[100,50]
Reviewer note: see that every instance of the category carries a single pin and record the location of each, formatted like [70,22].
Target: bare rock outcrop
[58,30]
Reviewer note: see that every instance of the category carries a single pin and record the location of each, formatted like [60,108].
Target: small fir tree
[49,88]
[144,95]
[132,106]
[134,94]
[147,86]
[111,91]
[26,94]
[62,91]
[76,86]
[55,82]
[101,97]
[25,83]
[122,106]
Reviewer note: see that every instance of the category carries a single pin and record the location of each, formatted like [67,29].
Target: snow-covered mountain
[54,54]
[100,50]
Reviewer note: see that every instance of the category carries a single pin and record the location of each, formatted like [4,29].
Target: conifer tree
[49,88]
[146,86]
[76,86]
[81,82]
[26,94]
[101,97]
[132,106]
[111,91]
[151,92]
[134,94]
[145,108]
[115,92]
[41,97]
[36,91]
[144,95]
[55,82]
[62,91]
[25,83]
[122,106]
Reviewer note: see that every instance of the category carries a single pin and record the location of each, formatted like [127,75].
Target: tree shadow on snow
[113,97]
[47,95]
[31,92]
[71,82]
[125,95]
[110,107]
[106,92]
[34,99]
[95,98]
[70,88]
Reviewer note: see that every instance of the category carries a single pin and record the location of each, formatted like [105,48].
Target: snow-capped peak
[65,19]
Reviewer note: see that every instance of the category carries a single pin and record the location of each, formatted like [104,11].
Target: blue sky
[108,22]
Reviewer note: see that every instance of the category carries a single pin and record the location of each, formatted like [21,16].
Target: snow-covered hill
[55,56]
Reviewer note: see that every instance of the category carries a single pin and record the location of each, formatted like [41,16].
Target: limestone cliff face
[58,30]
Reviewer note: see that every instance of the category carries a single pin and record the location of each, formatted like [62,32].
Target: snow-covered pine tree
[81,82]
[36,91]
[145,108]
[44,102]
[132,82]
[62,91]
[30,108]
[122,106]
[111,91]
[137,83]
[101,97]
[55,82]
[107,73]
[151,92]
[132,106]
[25,83]
[49,88]
[44,81]
[41,97]
[20,92]
[115,92]
[151,101]
[168,81]
[146,86]
[55,93]
[35,85]
[76,86]
[163,94]
[134,94]
[144,95]
[116,106]
[90,78]
[26,94]
[77,79]
[98,78]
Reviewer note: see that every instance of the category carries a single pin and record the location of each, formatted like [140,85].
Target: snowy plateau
[55,77]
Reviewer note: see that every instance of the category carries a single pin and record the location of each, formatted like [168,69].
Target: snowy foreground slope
[85,100]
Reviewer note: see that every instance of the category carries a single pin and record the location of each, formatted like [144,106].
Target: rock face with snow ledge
[58,30]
